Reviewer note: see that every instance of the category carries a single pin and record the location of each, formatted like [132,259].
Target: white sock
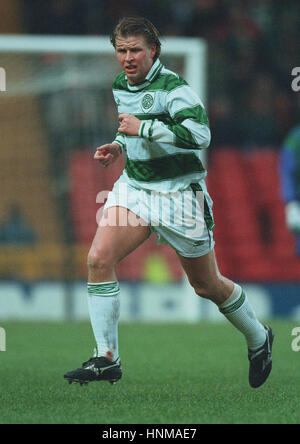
[104,310]
[240,313]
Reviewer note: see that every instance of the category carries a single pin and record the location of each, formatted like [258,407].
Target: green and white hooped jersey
[165,155]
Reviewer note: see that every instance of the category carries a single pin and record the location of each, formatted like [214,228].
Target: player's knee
[202,289]
[99,261]
[214,289]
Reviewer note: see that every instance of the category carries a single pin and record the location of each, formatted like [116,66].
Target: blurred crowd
[253,47]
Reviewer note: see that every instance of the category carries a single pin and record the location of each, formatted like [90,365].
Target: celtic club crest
[147,101]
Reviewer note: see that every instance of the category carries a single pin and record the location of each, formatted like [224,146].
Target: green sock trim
[235,306]
[104,289]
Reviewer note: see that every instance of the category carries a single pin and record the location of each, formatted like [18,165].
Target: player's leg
[113,241]
[206,279]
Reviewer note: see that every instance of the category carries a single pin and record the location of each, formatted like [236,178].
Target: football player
[163,127]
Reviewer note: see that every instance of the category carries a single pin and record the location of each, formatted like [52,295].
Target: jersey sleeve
[189,127]
[121,140]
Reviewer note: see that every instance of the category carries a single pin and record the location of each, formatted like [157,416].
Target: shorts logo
[147,102]
[198,243]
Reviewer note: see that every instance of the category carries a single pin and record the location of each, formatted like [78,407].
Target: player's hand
[292,213]
[108,153]
[130,125]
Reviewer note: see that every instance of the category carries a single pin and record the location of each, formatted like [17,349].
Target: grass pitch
[172,374]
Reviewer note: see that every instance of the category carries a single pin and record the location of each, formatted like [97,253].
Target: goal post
[193,50]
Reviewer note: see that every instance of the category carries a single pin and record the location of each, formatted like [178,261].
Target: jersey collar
[151,76]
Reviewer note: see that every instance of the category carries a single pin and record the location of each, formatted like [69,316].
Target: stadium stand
[252,240]
[23,155]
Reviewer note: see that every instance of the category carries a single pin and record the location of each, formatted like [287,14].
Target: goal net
[56,106]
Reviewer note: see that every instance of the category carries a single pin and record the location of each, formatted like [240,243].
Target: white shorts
[182,219]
